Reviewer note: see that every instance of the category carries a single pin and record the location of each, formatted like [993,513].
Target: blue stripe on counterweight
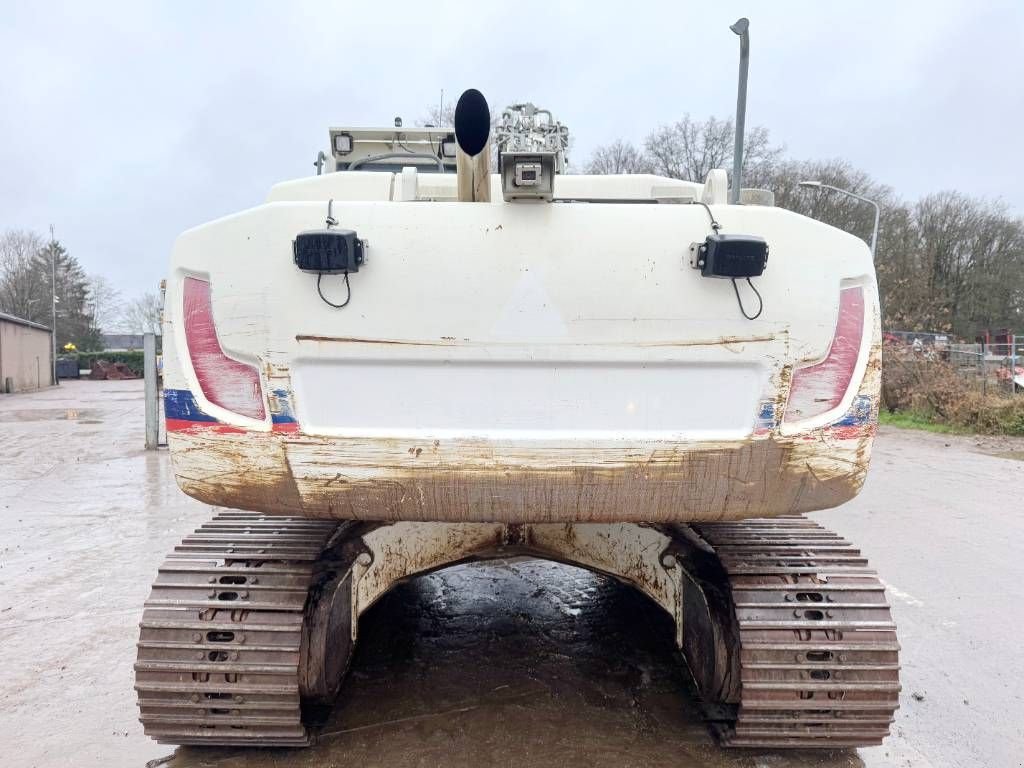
[284,402]
[180,404]
[858,415]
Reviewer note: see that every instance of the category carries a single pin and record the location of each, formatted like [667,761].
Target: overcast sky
[123,124]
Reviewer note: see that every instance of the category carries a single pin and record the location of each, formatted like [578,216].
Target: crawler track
[818,655]
[221,639]
[247,632]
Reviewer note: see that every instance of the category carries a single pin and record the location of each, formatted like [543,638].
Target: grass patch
[911,420]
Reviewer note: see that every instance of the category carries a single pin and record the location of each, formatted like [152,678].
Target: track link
[818,655]
[222,644]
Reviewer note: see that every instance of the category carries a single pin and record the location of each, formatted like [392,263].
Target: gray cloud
[125,123]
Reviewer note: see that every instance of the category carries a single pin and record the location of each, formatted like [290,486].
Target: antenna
[741,28]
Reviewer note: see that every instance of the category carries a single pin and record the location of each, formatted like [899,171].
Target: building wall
[24,356]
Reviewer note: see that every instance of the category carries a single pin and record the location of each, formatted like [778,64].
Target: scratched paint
[225,382]
[819,388]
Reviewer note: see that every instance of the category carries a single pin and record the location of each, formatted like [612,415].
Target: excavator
[446,347]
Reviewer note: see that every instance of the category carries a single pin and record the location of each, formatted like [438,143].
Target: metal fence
[997,366]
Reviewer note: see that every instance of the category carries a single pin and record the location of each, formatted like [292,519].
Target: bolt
[196,637]
[199,656]
[195,698]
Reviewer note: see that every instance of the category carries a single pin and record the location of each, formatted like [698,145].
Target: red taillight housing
[821,387]
[230,384]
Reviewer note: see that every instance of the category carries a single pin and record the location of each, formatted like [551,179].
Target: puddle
[51,414]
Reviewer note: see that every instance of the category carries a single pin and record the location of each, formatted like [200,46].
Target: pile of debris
[103,370]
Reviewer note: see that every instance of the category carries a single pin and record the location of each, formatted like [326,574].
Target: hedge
[133,359]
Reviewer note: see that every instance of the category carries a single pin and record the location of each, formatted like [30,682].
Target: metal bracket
[697,252]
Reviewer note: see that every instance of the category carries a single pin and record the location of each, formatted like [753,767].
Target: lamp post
[53,305]
[741,28]
[878,211]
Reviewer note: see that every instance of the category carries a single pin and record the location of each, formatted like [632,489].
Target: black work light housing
[328,251]
[731,256]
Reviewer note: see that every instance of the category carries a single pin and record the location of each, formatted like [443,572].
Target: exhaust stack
[741,28]
[473,155]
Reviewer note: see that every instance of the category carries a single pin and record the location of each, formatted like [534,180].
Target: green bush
[936,394]
[132,359]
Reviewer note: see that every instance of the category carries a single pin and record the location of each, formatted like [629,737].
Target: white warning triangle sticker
[529,314]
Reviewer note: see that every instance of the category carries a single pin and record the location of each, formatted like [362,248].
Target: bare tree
[689,149]
[104,303]
[971,257]
[23,290]
[440,116]
[143,315]
[838,210]
[618,157]
[948,262]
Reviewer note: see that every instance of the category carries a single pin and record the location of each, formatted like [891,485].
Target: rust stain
[476,481]
[785,376]
[354,340]
[246,473]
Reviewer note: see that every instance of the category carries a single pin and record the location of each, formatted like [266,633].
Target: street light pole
[741,28]
[53,306]
[848,193]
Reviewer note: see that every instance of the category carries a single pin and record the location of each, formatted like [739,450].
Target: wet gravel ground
[521,662]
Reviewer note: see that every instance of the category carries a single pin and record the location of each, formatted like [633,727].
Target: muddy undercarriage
[252,620]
